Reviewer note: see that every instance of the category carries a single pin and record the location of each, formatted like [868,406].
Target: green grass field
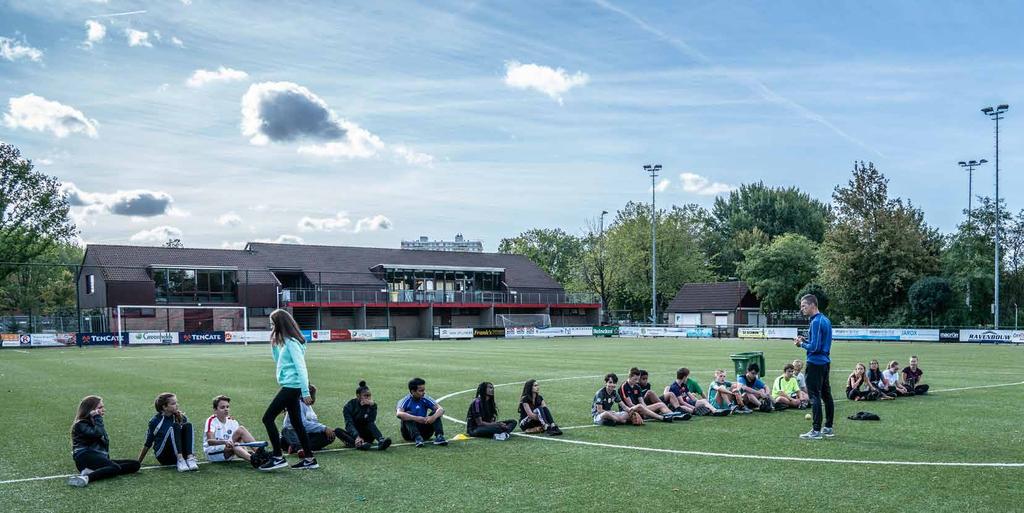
[654,467]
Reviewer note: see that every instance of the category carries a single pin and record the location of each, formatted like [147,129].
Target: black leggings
[424,430]
[180,443]
[920,389]
[286,399]
[820,391]
[102,466]
[368,431]
[505,426]
[545,418]
[864,395]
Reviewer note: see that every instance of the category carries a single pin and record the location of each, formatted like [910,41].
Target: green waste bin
[742,360]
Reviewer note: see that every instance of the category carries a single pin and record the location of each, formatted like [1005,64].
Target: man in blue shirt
[420,415]
[818,343]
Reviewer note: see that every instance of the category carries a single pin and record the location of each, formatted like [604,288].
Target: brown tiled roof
[328,265]
[346,265]
[131,263]
[700,297]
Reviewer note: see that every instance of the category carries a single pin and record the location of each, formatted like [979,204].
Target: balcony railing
[288,296]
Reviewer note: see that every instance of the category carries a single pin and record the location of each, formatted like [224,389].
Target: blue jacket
[819,340]
[161,431]
[291,365]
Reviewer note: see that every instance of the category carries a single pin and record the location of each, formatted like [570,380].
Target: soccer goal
[160,324]
[539,321]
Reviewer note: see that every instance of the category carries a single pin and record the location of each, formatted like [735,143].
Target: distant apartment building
[459,244]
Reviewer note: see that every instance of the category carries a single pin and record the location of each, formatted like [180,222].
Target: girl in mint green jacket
[289,349]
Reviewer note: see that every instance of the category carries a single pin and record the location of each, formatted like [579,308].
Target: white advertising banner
[367,334]
[642,331]
[787,333]
[994,336]
[52,339]
[919,335]
[867,334]
[152,337]
[455,333]
[580,331]
[242,337]
[320,335]
[750,332]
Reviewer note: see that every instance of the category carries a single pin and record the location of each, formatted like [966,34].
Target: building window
[90,284]
[195,285]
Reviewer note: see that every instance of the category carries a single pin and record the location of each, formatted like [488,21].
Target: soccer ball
[808,416]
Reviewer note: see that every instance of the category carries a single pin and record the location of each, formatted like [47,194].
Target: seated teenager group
[170,435]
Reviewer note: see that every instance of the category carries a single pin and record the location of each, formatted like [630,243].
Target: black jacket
[90,435]
[356,413]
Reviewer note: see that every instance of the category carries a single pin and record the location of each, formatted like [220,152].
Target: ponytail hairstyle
[362,388]
[88,404]
[283,326]
[488,410]
[161,401]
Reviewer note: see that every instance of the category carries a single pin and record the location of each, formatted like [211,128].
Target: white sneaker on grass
[193,465]
[811,435]
[79,480]
[182,465]
[828,432]
[501,436]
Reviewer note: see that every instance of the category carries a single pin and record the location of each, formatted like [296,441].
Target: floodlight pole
[600,256]
[653,170]
[969,166]
[996,114]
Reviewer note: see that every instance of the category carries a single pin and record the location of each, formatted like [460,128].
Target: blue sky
[368,123]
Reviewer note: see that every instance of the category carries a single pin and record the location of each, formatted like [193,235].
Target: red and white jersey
[221,430]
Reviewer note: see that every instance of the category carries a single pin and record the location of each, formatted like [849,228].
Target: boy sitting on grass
[723,395]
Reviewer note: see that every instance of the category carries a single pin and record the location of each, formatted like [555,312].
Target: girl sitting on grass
[534,415]
[171,432]
[481,419]
[90,446]
[361,422]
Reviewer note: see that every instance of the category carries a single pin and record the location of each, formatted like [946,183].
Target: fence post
[78,298]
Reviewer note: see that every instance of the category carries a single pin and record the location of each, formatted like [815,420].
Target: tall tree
[930,296]
[756,213]
[968,262]
[44,286]
[553,250]
[681,259]
[777,271]
[33,211]
[876,249]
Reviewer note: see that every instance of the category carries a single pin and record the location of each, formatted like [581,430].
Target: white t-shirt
[891,377]
[801,380]
[221,430]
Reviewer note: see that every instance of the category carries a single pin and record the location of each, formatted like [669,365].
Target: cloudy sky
[368,123]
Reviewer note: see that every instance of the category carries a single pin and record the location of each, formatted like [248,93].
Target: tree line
[871,258]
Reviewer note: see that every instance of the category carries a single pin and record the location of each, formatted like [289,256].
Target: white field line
[748,456]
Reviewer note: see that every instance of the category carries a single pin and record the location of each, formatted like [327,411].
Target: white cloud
[94,33]
[133,203]
[697,184]
[413,157]
[201,77]
[36,113]
[177,42]
[662,185]
[12,50]
[283,239]
[550,81]
[341,222]
[232,245]
[230,219]
[137,38]
[158,235]
[372,224]
[186,2]
[357,143]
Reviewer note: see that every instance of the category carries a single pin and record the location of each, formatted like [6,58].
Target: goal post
[539,321]
[179,318]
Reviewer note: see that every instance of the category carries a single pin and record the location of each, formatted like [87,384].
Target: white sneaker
[828,432]
[182,466]
[501,436]
[79,480]
[193,465]
[811,435]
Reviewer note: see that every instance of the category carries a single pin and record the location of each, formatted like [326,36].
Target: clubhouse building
[409,292]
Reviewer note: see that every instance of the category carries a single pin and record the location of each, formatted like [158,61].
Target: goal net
[539,321]
[160,324]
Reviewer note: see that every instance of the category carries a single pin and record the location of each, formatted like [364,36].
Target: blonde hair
[283,326]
